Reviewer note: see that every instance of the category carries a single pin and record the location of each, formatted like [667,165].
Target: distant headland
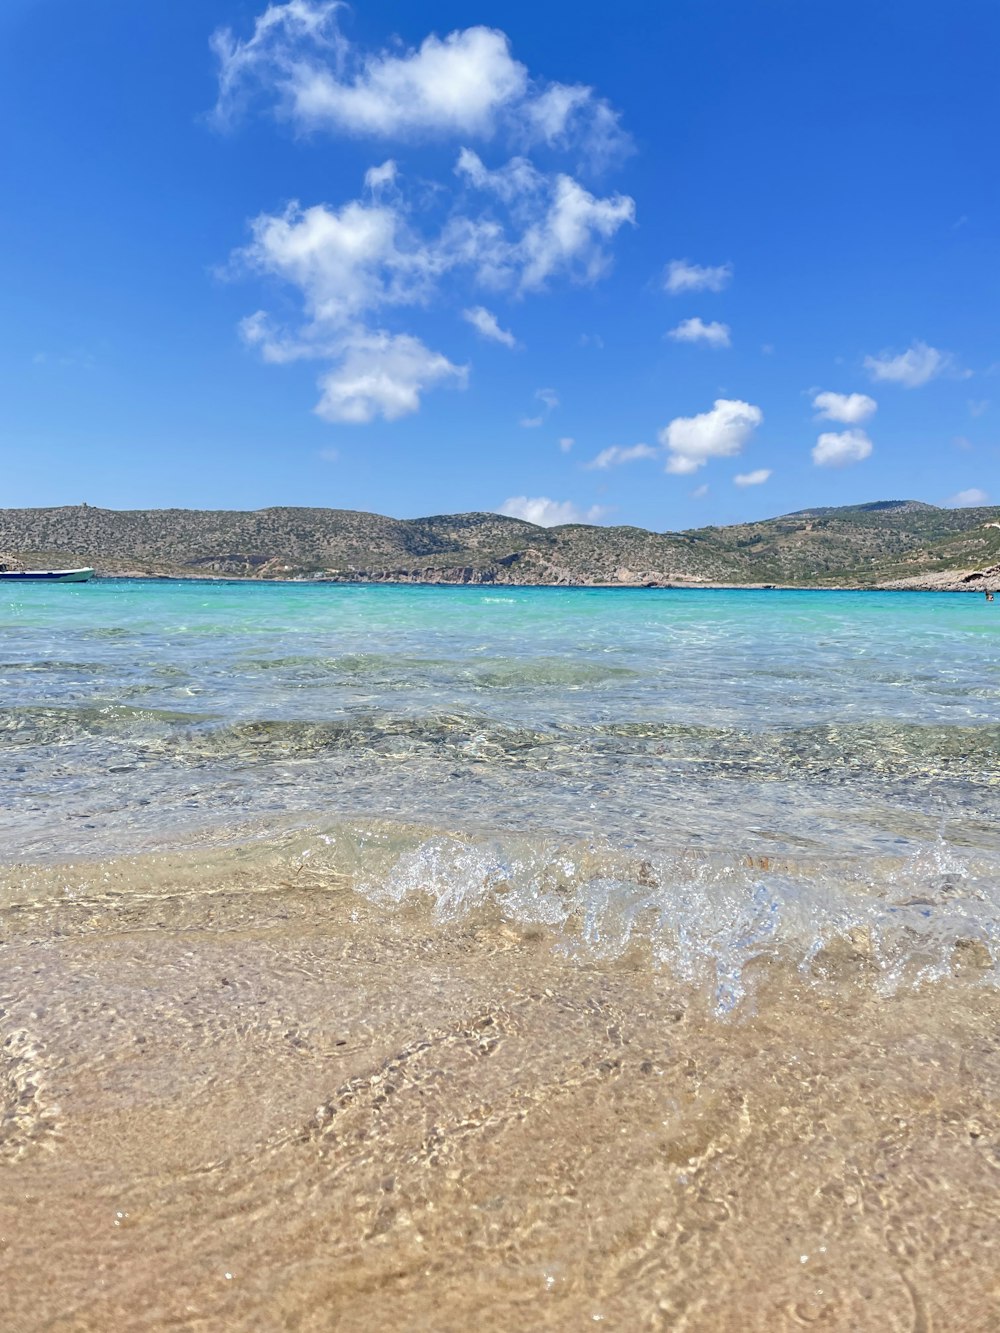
[888,544]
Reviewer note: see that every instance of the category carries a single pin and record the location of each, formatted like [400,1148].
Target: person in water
[989,595]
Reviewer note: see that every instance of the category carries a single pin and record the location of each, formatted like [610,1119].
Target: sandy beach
[241,1095]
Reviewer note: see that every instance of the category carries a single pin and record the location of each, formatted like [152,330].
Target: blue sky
[396,256]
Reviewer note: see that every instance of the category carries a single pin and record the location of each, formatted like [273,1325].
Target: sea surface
[413,957]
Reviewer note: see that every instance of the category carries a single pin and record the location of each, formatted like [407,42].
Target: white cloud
[363,258]
[380,178]
[564,115]
[514,179]
[694,331]
[372,372]
[719,433]
[456,84]
[382,374]
[347,264]
[700,492]
[530,423]
[275,345]
[548,513]
[849,408]
[566,443]
[559,226]
[911,368]
[551,113]
[366,253]
[485,322]
[969,499]
[682,276]
[834,449]
[269,55]
[616,455]
[511,227]
[466,83]
[756,478]
[568,238]
[344,261]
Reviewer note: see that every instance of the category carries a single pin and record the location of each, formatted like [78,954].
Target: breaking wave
[714,925]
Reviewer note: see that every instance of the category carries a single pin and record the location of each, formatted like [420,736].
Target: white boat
[46,575]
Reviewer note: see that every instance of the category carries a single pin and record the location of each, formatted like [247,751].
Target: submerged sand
[242,1094]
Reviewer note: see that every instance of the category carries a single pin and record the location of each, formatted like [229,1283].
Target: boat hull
[46,576]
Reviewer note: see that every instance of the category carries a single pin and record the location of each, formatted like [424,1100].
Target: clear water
[617,763]
[498,959]
[620,764]
[135,713]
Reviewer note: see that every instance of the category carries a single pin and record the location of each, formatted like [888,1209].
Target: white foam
[710,924]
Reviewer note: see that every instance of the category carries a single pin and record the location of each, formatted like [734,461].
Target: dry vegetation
[864,544]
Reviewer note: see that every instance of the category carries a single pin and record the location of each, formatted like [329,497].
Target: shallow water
[409,958]
[134,714]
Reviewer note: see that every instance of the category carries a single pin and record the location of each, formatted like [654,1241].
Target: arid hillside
[898,542]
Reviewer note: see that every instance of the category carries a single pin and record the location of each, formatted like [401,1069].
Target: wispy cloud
[756,478]
[969,499]
[80,359]
[549,400]
[681,276]
[381,177]
[696,331]
[485,322]
[719,433]
[561,228]
[914,367]
[616,455]
[838,449]
[467,84]
[566,443]
[978,407]
[548,513]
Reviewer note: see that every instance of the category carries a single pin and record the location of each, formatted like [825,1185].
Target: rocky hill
[890,542]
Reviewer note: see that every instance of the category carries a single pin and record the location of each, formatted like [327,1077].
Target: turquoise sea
[139,713]
[838,729]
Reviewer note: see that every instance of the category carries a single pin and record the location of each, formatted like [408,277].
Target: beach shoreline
[942,584]
[318,1100]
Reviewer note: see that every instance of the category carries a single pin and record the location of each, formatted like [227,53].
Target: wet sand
[238,1094]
